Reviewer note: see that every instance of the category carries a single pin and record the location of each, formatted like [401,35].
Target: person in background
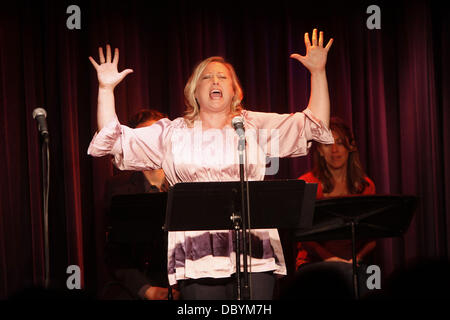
[121,258]
[338,172]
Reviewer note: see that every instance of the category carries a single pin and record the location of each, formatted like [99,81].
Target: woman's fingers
[298,57]
[307,42]
[315,41]
[321,39]
[116,56]
[109,57]
[329,44]
[107,73]
[108,53]
[316,55]
[94,63]
[314,37]
[125,72]
[101,55]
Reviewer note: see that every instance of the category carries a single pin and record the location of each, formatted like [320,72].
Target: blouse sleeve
[370,189]
[289,135]
[132,149]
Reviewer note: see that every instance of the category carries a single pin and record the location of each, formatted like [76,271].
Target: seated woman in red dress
[338,172]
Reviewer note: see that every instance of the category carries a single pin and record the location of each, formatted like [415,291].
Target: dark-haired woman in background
[338,172]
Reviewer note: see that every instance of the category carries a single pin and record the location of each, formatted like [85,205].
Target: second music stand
[370,217]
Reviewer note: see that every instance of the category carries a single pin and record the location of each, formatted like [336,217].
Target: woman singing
[197,148]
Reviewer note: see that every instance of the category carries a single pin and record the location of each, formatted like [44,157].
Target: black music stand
[137,220]
[370,217]
[217,206]
[137,217]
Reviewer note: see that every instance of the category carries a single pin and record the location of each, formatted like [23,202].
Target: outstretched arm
[108,78]
[315,61]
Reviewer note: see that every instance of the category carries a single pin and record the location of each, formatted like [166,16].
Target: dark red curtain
[391,85]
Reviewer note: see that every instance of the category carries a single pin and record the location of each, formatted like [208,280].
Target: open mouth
[215,94]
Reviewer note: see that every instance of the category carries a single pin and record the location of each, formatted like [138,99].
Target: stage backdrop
[390,84]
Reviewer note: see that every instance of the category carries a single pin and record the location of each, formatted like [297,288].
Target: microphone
[238,125]
[40,115]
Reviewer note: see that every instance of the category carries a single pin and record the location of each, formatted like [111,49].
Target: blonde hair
[192,107]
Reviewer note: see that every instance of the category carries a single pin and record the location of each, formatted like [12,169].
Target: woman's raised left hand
[316,54]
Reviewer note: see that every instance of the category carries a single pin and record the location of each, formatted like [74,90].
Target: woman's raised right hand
[108,75]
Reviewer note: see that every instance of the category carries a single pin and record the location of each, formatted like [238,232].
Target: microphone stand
[244,294]
[45,150]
